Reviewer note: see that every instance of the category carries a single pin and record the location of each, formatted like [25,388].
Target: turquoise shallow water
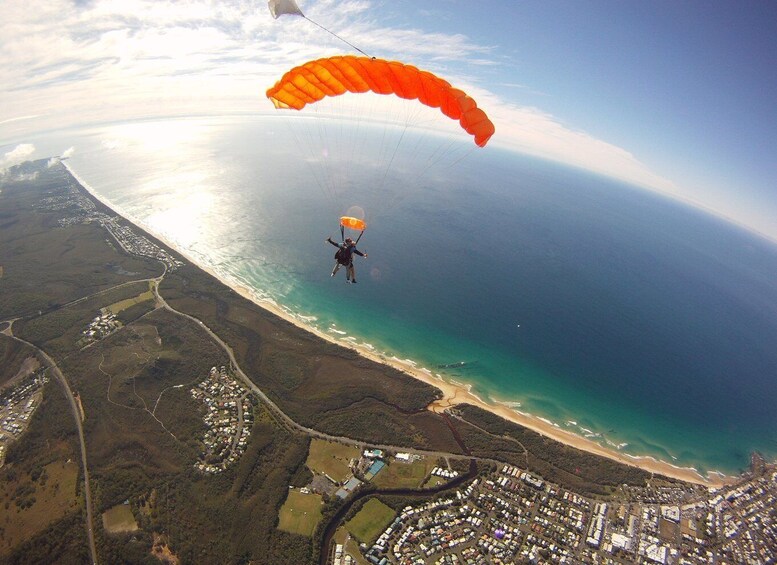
[615,313]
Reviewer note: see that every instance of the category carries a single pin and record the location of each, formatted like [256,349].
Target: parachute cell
[333,76]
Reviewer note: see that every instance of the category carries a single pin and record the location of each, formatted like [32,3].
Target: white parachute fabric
[280,8]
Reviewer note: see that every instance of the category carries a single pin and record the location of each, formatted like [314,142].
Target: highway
[54,369]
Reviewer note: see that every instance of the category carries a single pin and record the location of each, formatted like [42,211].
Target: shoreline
[452,393]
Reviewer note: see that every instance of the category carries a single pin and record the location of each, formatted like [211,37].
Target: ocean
[613,312]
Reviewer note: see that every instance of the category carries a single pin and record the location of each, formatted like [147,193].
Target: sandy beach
[452,393]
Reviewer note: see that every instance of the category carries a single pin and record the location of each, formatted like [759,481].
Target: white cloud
[67,153]
[110,60]
[18,154]
[17,119]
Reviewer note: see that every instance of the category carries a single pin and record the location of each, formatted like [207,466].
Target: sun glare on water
[185,221]
[179,188]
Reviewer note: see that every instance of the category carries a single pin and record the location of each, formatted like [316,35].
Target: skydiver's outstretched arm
[329,239]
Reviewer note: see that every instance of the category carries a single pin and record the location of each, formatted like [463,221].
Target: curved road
[281,417]
[280,414]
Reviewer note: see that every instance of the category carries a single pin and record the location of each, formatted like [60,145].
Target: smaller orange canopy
[353,223]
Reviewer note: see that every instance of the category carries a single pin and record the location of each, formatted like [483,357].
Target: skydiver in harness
[344,256]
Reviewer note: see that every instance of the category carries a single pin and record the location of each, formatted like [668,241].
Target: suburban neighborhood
[512,516]
[228,417]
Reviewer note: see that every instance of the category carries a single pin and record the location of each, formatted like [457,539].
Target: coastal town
[228,418]
[82,210]
[513,516]
[18,401]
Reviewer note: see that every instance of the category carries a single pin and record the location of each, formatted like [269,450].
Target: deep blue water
[578,298]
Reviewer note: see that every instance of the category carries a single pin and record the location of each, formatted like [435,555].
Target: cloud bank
[72,64]
[18,154]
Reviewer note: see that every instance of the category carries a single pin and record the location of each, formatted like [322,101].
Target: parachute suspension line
[280,8]
[323,141]
[460,159]
[337,36]
[305,139]
[358,238]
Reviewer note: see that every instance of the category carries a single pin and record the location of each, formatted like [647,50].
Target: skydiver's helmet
[349,241]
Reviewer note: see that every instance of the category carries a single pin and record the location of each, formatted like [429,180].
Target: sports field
[301,513]
[404,475]
[331,458]
[371,520]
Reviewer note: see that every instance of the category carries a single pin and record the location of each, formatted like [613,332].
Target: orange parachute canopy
[333,76]
[353,223]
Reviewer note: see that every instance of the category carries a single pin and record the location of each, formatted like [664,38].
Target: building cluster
[512,516]
[744,520]
[228,419]
[82,210]
[101,326]
[74,200]
[17,403]
[444,473]
[368,465]
[342,558]
[138,244]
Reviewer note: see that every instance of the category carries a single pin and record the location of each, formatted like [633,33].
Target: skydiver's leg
[334,271]
[352,272]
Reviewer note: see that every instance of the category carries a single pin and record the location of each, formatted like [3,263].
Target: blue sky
[676,96]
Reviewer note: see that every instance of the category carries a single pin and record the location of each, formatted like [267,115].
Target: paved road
[77,417]
[279,414]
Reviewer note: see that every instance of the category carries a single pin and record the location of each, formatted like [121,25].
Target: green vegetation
[64,541]
[60,332]
[13,355]
[34,500]
[332,459]
[318,384]
[45,265]
[371,520]
[301,513]
[40,489]
[554,461]
[121,305]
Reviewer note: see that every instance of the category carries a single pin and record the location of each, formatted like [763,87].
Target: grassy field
[331,458]
[34,503]
[301,513]
[371,520]
[119,519]
[117,307]
[404,475]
